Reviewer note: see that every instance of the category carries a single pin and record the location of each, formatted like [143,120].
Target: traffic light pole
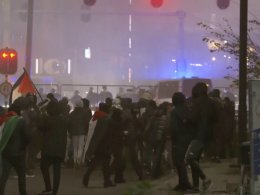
[6,80]
[242,109]
[29,35]
[6,77]
[6,10]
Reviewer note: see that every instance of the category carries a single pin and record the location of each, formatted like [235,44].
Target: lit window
[37,66]
[87,53]
[69,66]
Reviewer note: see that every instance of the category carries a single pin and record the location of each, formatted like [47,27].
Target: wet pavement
[225,181]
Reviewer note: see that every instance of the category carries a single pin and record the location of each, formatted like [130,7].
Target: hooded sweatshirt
[181,128]
[203,113]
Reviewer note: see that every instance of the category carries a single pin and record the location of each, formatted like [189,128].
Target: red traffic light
[8,61]
[4,55]
[8,53]
[156,3]
[12,55]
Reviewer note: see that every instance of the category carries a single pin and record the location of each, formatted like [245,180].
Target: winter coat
[78,122]
[204,116]
[130,125]
[18,141]
[115,126]
[55,130]
[181,129]
[156,128]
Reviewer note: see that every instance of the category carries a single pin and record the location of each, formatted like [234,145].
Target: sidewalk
[225,180]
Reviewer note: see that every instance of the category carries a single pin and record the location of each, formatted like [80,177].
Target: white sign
[5,88]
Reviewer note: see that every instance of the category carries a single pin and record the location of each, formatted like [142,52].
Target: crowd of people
[119,131]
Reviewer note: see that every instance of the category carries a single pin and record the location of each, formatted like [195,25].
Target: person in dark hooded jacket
[55,128]
[181,135]
[132,132]
[155,138]
[78,128]
[98,146]
[32,116]
[203,115]
[13,143]
[116,129]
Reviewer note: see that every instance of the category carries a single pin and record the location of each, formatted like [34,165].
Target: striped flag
[7,130]
[22,86]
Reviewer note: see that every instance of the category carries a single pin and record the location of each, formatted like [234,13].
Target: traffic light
[156,3]
[8,61]
[89,2]
[223,4]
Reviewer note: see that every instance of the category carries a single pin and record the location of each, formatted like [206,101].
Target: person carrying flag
[98,146]
[13,143]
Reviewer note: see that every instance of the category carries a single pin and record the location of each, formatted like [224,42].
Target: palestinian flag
[21,87]
[7,129]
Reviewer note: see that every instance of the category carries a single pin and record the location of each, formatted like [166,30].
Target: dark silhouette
[203,115]
[13,144]
[181,131]
[54,128]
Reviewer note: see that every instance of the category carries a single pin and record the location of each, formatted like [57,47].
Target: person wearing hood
[203,116]
[116,129]
[2,113]
[98,146]
[181,134]
[54,130]
[132,132]
[78,127]
[32,116]
[13,143]
[155,137]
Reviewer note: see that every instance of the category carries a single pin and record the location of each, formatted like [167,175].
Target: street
[224,179]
